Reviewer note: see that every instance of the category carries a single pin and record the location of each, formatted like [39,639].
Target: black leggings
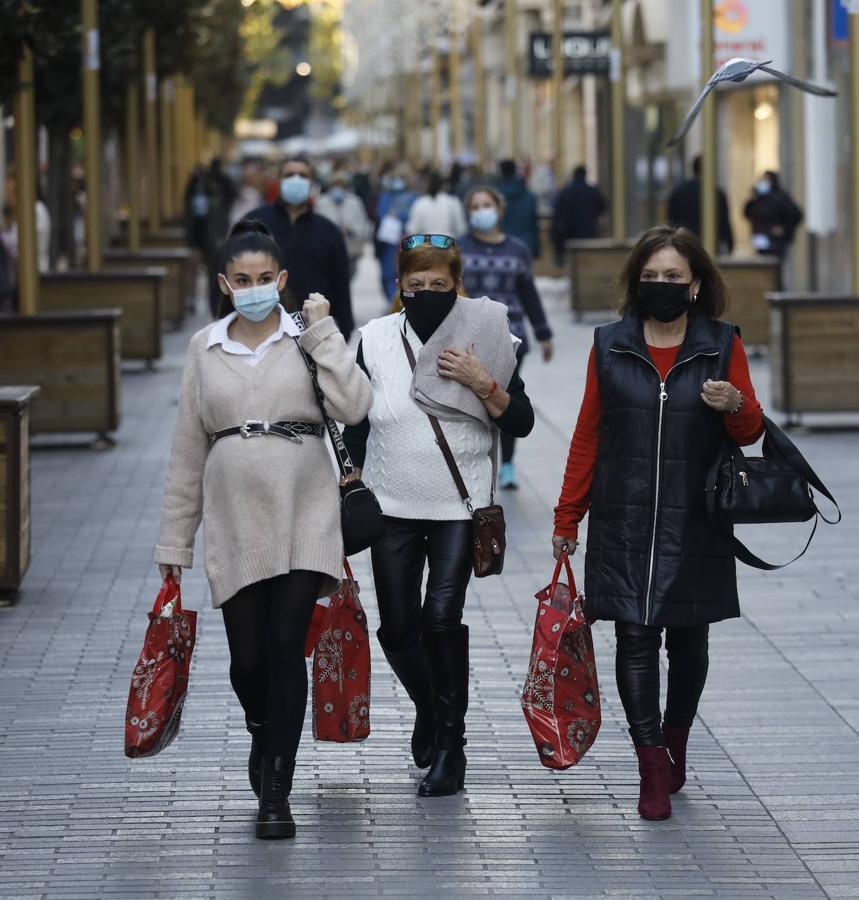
[266,625]
[398,570]
[637,668]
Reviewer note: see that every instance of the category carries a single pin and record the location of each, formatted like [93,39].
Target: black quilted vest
[652,555]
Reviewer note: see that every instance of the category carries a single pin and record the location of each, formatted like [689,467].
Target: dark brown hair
[713,297]
[493,192]
[246,236]
[425,256]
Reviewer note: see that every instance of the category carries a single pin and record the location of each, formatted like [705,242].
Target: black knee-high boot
[412,668]
[448,653]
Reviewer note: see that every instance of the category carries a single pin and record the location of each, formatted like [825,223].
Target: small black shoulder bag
[758,490]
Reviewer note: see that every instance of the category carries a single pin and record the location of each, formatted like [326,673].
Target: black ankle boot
[274,819]
[448,653]
[257,733]
[411,666]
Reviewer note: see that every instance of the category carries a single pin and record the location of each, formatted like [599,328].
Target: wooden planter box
[814,352]
[15,405]
[137,292]
[749,281]
[74,358]
[593,267]
[178,287]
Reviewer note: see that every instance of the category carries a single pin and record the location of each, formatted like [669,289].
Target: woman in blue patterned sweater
[498,265]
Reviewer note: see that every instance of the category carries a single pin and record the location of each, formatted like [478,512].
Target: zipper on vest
[663,396]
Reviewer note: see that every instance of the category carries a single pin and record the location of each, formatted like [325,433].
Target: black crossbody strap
[744,555]
[344,461]
[441,440]
[784,447]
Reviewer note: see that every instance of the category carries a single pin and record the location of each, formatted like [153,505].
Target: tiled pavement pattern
[770,809]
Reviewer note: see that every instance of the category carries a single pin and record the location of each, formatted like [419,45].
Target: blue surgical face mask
[295,189]
[397,184]
[484,219]
[338,193]
[255,303]
[763,186]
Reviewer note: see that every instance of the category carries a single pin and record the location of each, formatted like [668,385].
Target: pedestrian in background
[394,206]
[250,194]
[664,387]
[578,208]
[453,339]
[270,507]
[520,207]
[436,212]
[773,216]
[684,209]
[346,210]
[312,247]
[498,266]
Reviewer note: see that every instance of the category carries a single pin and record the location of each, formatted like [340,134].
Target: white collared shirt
[220,335]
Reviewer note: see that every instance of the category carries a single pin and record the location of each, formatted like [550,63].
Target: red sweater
[745,427]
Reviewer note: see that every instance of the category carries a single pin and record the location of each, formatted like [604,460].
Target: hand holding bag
[360,513]
[341,669]
[561,697]
[160,678]
[489,530]
[758,490]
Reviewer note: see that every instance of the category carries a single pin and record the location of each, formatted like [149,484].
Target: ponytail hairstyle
[246,236]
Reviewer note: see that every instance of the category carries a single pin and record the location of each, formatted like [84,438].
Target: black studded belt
[292,431]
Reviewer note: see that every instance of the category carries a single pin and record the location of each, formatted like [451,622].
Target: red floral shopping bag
[341,669]
[160,678]
[561,698]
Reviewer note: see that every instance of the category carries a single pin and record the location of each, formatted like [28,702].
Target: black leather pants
[399,559]
[637,669]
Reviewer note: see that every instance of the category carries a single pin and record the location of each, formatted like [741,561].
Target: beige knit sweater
[268,506]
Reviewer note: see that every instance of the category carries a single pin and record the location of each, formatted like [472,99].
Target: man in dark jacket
[577,211]
[312,247]
[520,211]
[773,215]
[684,209]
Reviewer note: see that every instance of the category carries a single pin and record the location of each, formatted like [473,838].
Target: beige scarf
[481,322]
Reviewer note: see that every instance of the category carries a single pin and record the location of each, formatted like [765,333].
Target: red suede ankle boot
[654,766]
[675,741]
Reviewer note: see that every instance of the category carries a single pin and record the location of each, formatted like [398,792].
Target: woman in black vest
[665,384]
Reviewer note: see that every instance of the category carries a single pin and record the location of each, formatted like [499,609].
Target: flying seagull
[738,69]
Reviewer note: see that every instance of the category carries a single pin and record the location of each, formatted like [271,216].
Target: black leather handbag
[759,490]
[360,514]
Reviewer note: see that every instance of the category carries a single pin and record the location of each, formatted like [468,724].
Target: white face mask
[255,303]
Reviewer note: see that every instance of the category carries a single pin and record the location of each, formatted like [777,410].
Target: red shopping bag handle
[165,595]
[563,560]
[348,569]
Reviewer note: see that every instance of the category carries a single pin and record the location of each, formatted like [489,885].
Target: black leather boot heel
[257,733]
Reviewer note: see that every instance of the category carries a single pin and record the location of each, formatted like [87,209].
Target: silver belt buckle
[246,433]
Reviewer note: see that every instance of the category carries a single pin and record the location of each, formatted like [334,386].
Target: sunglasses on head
[442,241]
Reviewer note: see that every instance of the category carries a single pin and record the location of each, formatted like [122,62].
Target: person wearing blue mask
[345,209]
[249,462]
[498,266]
[311,246]
[392,213]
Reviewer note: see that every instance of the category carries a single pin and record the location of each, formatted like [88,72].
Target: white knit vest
[404,466]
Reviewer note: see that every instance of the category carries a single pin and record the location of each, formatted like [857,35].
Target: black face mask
[426,310]
[664,301]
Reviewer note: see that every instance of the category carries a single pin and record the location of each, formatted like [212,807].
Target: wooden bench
[593,268]
[814,352]
[74,358]
[15,403]
[179,284]
[137,292]
[749,280]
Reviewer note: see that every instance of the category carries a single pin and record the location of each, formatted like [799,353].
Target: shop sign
[583,52]
[751,28]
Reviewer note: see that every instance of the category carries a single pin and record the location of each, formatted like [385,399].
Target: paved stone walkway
[770,809]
